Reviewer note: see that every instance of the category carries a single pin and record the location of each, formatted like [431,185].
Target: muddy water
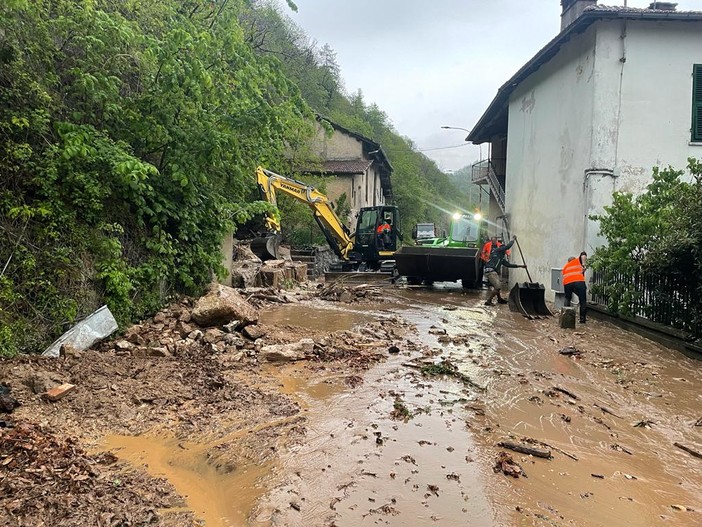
[359,466]
[216,495]
[614,463]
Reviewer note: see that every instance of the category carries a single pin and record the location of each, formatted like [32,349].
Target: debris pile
[338,291]
[47,480]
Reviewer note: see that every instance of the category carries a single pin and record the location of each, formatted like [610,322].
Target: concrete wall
[548,148]
[615,102]
[656,110]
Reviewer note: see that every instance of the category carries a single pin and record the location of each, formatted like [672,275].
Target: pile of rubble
[47,480]
[248,270]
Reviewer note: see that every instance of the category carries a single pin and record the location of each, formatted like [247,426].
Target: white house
[615,93]
[357,167]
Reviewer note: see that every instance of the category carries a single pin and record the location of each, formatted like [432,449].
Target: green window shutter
[697,102]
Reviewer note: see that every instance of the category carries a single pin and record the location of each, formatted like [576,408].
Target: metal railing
[664,299]
[485,171]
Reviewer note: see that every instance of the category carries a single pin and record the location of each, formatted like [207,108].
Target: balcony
[482,173]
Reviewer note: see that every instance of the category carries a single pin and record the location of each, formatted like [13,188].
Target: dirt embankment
[192,372]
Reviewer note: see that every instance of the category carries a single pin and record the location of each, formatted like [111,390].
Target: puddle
[218,496]
[331,319]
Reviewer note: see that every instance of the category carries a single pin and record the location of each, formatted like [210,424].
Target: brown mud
[360,436]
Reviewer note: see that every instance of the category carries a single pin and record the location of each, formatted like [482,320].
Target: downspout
[622,60]
[600,183]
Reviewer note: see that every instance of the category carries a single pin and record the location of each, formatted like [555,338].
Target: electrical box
[556,277]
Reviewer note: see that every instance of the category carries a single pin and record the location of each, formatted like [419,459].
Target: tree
[654,245]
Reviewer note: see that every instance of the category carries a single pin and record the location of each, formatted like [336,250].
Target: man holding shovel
[574,282]
[492,271]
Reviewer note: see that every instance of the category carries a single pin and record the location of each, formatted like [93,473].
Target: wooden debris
[569,394]
[606,410]
[59,392]
[571,351]
[689,450]
[620,448]
[532,451]
[598,476]
[505,464]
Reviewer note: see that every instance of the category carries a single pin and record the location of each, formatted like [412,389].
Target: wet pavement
[404,449]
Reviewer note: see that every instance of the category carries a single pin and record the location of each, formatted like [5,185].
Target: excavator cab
[377,235]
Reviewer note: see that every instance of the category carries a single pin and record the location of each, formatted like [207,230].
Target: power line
[443,147]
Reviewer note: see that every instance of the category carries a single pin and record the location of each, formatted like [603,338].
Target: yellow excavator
[371,247]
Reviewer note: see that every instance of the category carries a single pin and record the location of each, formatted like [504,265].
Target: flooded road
[395,446]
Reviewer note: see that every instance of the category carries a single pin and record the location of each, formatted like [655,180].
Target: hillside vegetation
[129,135]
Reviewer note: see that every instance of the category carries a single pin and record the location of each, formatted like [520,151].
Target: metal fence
[663,299]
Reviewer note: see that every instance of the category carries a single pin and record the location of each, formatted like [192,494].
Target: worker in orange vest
[574,282]
[383,233]
[487,248]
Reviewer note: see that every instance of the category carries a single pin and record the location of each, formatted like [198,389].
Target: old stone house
[356,166]
[615,93]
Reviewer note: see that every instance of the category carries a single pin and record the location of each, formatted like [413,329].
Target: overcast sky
[433,63]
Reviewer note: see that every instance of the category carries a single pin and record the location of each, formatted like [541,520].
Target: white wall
[656,114]
[615,102]
[548,147]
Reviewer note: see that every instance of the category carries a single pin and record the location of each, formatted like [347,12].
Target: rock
[231,339]
[245,266]
[213,335]
[67,350]
[157,352]
[183,328]
[269,276]
[59,392]
[567,318]
[185,316]
[232,326]
[254,332]
[195,335]
[222,305]
[160,318]
[287,352]
[134,337]
[124,345]
[40,382]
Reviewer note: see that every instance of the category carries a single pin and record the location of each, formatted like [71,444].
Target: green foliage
[422,192]
[129,134]
[655,234]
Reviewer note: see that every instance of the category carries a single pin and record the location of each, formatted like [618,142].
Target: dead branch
[518,447]
[689,450]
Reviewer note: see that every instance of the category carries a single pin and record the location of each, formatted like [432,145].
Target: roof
[495,117]
[370,148]
[354,166]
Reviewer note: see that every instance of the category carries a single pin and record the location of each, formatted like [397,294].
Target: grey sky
[430,63]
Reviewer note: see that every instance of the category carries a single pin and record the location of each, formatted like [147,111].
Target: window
[697,103]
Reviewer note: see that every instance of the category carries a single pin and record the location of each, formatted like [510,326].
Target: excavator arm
[336,233]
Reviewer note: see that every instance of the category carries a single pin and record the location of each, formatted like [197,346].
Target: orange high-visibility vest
[573,272]
[383,227]
[487,249]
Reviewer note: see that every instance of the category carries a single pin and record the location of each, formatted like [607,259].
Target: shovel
[528,298]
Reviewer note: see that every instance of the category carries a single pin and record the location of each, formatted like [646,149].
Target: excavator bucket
[267,247]
[528,299]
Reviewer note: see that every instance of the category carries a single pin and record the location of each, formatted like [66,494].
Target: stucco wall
[613,103]
[656,111]
[548,148]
